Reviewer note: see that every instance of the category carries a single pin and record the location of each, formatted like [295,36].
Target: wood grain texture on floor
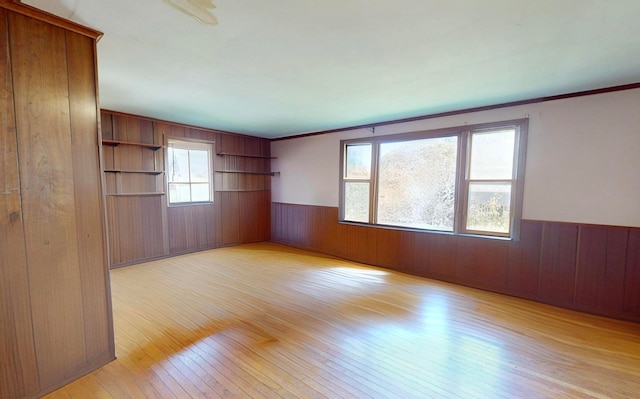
[267,321]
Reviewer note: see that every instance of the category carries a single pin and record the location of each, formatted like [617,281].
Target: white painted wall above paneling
[583,159]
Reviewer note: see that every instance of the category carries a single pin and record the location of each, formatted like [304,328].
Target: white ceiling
[284,67]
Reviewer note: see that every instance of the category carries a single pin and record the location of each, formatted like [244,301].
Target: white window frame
[188,144]
[463,181]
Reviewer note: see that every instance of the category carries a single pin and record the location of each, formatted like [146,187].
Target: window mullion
[462,184]
[373,184]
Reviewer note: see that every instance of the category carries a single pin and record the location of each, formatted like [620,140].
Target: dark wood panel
[19,372]
[417,249]
[135,228]
[190,228]
[230,222]
[42,109]
[524,260]
[357,243]
[632,274]
[232,144]
[168,130]
[132,129]
[200,134]
[601,264]
[558,263]
[442,257]
[251,222]
[466,267]
[328,230]
[388,248]
[488,268]
[86,176]
[106,125]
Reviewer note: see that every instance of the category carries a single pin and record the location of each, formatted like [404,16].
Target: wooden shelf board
[244,172]
[232,154]
[134,194]
[239,191]
[114,143]
[148,172]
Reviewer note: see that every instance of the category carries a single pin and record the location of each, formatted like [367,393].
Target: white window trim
[190,144]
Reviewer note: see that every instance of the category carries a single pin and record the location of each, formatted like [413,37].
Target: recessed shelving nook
[143,225]
[133,156]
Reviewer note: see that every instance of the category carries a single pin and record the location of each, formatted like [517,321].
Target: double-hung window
[466,180]
[189,172]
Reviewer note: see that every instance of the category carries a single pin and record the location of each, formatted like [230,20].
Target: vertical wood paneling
[360,243]
[443,256]
[135,228]
[230,217]
[600,273]
[489,269]
[190,228]
[387,248]
[18,373]
[39,72]
[162,130]
[86,177]
[558,263]
[136,130]
[632,274]
[106,126]
[418,248]
[200,134]
[464,258]
[524,260]
[329,232]
[601,264]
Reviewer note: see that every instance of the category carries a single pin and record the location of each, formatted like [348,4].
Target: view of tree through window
[188,172]
[417,183]
[357,186]
[465,180]
[491,180]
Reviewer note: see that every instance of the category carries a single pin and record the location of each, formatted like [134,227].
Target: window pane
[417,183]
[200,193]
[199,165]
[358,161]
[492,154]
[489,207]
[178,165]
[179,193]
[356,202]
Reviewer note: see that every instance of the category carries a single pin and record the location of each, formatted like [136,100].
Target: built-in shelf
[148,172]
[134,194]
[245,172]
[232,154]
[114,143]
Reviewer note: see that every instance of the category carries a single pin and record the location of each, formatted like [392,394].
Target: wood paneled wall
[583,267]
[55,310]
[142,226]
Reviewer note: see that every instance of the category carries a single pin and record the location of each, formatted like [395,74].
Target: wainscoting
[590,268]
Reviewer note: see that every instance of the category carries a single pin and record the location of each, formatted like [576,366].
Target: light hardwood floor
[267,321]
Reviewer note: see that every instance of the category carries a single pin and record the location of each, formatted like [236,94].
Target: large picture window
[465,180]
[189,171]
